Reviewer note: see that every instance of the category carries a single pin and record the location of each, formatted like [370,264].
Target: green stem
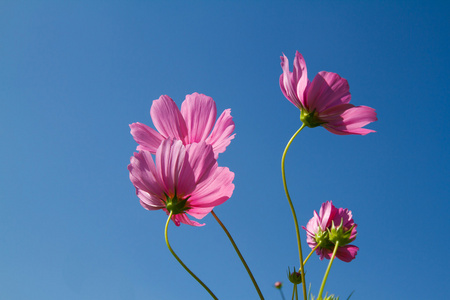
[283,173]
[328,270]
[181,263]
[310,253]
[239,254]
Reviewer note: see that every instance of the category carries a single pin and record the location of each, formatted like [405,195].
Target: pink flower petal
[326,90]
[221,136]
[184,219]
[338,131]
[199,112]
[201,157]
[143,173]
[287,84]
[301,77]
[200,212]
[167,118]
[327,212]
[215,190]
[147,138]
[173,167]
[358,116]
[149,201]
[347,253]
[351,120]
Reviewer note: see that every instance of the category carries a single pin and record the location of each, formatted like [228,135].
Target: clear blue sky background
[74,74]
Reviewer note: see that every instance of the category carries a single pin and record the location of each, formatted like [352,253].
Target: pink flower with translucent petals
[325,101]
[193,124]
[319,227]
[182,179]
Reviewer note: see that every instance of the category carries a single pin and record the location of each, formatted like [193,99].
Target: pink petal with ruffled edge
[288,84]
[351,120]
[149,201]
[147,138]
[301,77]
[183,218]
[215,190]
[143,173]
[221,135]
[143,176]
[201,157]
[347,253]
[174,169]
[311,229]
[200,212]
[167,118]
[327,90]
[199,112]
[327,213]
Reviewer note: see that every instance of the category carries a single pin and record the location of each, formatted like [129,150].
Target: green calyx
[310,119]
[175,205]
[339,234]
[322,239]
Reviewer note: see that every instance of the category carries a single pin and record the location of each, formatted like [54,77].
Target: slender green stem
[310,253]
[181,263]
[336,246]
[294,292]
[282,294]
[239,254]
[299,243]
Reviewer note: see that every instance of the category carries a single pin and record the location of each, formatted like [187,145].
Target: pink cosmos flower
[193,124]
[319,227]
[182,179]
[325,101]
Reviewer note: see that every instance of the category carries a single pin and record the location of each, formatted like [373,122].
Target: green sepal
[310,119]
[339,234]
[322,239]
[175,205]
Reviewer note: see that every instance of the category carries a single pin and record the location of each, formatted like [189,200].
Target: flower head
[181,179]
[278,285]
[193,124]
[325,101]
[327,227]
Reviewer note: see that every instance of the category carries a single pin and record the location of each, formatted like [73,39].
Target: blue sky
[74,74]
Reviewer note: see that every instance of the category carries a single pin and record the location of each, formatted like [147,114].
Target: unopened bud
[295,277]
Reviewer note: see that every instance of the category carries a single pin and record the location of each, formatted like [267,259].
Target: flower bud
[278,285]
[295,277]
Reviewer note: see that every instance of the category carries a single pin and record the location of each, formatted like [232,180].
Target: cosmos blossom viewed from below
[318,231]
[325,101]
[182,179]
[195,122]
